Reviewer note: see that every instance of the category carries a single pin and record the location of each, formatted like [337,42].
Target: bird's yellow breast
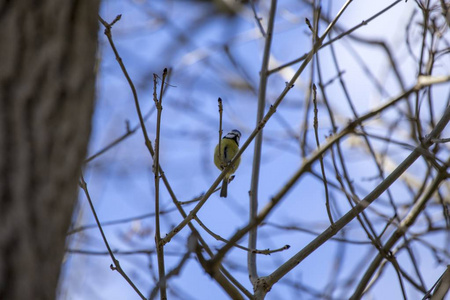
[228,150]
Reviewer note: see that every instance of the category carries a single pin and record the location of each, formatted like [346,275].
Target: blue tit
[229,146]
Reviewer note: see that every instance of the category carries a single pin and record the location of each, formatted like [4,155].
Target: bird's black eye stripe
[235,138]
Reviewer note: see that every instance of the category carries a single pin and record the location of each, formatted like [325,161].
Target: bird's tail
[224,190]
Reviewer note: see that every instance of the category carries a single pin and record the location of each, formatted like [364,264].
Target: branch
[251,257]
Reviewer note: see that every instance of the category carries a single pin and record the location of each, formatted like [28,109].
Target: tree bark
[47,85]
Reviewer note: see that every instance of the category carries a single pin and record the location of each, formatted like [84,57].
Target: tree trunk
[47,56]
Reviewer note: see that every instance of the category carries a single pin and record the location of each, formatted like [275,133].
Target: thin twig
[322,168]
[159,246]
[220,126]
[108,34]
[258,19]
[256,251]
[309,231]
[129,132]
[307,102]
[115,266]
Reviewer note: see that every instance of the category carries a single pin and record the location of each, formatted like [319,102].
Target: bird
[229,146]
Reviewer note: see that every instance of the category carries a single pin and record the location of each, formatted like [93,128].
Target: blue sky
[149,37]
